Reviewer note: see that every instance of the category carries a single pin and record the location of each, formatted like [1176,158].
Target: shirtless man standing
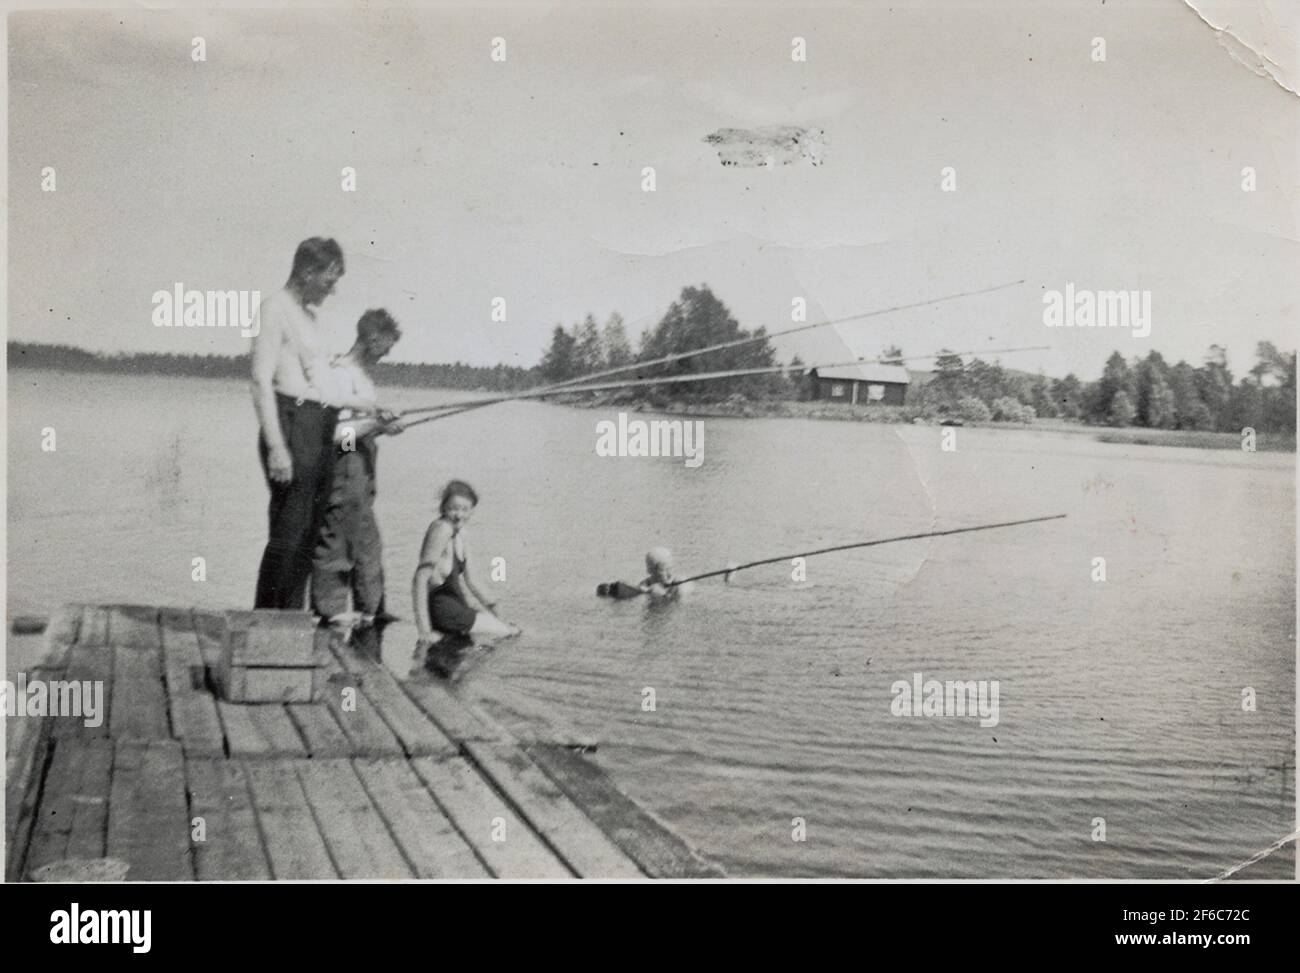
[297,412]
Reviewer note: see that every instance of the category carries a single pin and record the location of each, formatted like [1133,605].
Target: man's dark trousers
[297,507]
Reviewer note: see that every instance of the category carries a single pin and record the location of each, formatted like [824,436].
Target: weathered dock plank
[180,640]
[148,819]
[24,776]
[355,833]
[418,736]
[293,843]
[91,665]
[548,727]
[500,838]
[345,658]
[319,730]
[28,744]
[210,627]
[448,713]
[194,717]
[139,707]
[59,636]
[194,714]
[427,838]
[368,735]
[93,662]
[72,820]
[657,849]
[550,812]
[134,626]
[359,718]
[260,730]
[231,849]
[93,629]
[65,624]
[412,729]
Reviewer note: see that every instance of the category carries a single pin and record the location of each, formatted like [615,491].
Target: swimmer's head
[659,564]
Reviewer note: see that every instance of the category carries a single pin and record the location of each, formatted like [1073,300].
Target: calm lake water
[1118,700]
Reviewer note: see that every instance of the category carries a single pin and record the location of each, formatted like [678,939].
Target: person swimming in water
[442,584]
[660,582]
[661,572]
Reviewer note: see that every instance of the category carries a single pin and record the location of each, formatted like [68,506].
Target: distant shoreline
[904,415]
[77,361]
[775,409]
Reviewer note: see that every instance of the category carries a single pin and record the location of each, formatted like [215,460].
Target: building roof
[884,374]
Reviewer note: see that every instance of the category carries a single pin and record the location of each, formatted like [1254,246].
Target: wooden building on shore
[865,384]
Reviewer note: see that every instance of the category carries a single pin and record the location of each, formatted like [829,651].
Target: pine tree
[618,350]
[560,362]
[987,382]
[800,385]
[1067,395]
[1041,399]
[698,319]
[948,383]
[1160,411]
[1115,378]
[589,352]
[1121,411]
[1189,411]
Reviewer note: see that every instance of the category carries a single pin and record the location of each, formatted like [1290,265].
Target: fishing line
[739,342]
[753,339]
[703,377]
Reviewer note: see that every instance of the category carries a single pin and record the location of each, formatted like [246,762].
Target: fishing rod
[739,342]
[451,412]
[465,406]
[620,589]
[754,339]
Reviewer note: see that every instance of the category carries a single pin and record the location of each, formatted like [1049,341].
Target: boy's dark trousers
[349,553]
[297,507]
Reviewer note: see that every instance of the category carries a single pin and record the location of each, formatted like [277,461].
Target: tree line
[496,378]
[1146,391]
[697,319]
[1142,391]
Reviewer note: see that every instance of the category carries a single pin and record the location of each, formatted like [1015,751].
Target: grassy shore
[1280,442]
[1266,442]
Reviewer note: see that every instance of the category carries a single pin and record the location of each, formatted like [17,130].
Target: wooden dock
[382,779]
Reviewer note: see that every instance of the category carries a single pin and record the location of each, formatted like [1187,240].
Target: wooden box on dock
[272,657]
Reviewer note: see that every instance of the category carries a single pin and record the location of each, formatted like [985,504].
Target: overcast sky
[522,179]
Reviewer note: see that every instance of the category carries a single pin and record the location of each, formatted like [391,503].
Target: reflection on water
[1119,700]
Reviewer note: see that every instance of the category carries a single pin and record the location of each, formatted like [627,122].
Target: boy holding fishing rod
[348,556]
